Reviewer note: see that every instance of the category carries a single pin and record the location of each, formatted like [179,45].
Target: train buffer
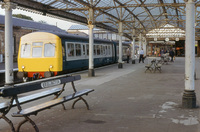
[14,91]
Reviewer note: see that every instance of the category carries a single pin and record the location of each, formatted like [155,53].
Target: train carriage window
[98,50]
[104,50]
[78,49]
[70,47]
[49,50]
[25,50]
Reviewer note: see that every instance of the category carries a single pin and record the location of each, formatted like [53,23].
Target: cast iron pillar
[189,96]
[133,50]
[9,45]
[120,64]
[91,72]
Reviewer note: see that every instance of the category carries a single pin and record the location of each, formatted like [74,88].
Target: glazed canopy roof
[141,15]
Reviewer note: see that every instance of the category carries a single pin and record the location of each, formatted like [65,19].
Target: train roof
[72,36]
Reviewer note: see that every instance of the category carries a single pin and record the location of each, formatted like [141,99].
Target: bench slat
[32,97]
[49,104]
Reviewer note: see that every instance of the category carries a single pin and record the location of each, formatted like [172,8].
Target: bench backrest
[36,85]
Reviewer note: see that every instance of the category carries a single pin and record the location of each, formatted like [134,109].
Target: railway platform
[125,100]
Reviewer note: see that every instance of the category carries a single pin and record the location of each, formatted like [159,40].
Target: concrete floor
[124,100]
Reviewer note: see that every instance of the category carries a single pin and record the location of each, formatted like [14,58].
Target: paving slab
[125,100]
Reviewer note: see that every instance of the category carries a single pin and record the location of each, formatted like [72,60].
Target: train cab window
[49,50]
[25,50]
[37,52]
[37,49]
[37,44]
[98,50]
[78,49]
[70,47]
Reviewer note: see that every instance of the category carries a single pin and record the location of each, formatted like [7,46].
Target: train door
[84,51]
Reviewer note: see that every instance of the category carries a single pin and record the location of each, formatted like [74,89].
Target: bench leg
[24,121]
[9,122]
[148,69]
[80,98]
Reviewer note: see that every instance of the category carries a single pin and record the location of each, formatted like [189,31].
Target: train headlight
[23,67]
[50,66]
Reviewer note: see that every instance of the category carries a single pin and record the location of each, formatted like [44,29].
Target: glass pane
[98,49]
[37,52]
[101,50]
[25,50]
[37,44]
[49,50]
[87,46]
[95,47]
[78,49]
[70,48]
[108,50]
[83,49]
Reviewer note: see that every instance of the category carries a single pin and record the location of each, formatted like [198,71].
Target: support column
[9,79]
[140,42]
[133,50]
[91,72]
[144,46]
[120,65]
[189,96]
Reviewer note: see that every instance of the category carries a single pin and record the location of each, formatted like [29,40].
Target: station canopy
[142,16]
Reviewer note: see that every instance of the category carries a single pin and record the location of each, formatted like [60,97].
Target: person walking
[128,53]
[141,55]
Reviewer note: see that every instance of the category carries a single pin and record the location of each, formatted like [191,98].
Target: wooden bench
[14,91]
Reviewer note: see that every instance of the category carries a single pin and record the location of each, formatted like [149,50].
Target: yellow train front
[40,55]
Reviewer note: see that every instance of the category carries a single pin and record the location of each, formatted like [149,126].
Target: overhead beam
[36,6]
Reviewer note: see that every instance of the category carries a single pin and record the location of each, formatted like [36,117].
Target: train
[44,54]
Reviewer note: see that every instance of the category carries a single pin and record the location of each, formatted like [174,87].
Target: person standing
[128,53]
[141,55]
[171,53]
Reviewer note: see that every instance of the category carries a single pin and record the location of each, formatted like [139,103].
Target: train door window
[87,47]
[104,50]
[98,50]
[101,50]
[49,50]
[95,47]
[37,49]
[78,49]
[70,49]
[117,50]
[84,53]
[109,50]
[25,50]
